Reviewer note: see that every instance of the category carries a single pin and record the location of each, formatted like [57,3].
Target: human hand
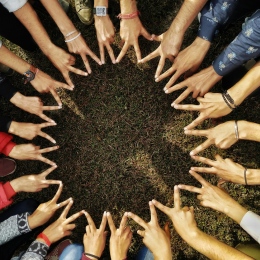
[94,239]
[31,152]
[187,61]
[168,49]
[43,83]
[33,182]
[79,46]
[120,239]
[200,83]
[63,61]
[32,105]
[211,105]
[154,237]
[225,169]
[29,130]
[182,218]
[62,227]
[130,30]
[223,136]
[46,210]
[105,36]
[214,197]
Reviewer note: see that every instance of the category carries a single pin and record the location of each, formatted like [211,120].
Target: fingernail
[105,213]
[150,203]
[54,164]
[191,153]
[155,76]
[60,106]
[172,105]
[54,141]
[166,91]
[114,62]
[53,121]
[192,168]
[103,62]
[117,61]
[85,74]
[180,186]
[156,80]
[108,213]
[60,182]
[175,187]
[100,63]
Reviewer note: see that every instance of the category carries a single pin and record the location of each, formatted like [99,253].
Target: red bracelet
[128,16]
[45,238]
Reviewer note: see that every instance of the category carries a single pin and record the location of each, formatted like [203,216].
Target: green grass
[121,143]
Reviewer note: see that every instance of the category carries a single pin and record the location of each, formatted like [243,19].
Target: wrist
[13,128]
[43,238]
[15,185]
[32,222]
[242,129]
[17,98]
[127,6]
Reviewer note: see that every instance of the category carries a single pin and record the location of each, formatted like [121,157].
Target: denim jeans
[73,251]
[144,254]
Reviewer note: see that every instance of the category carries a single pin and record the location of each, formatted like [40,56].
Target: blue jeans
[144,254]
[73,251]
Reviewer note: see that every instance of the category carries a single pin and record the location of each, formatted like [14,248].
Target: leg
[27,205]
[144,254]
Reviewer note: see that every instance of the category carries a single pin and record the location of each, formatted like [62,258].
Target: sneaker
[84,9]
[7,166]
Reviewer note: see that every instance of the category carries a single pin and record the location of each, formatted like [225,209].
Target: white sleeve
[251,224]
[13,5]
[0,43]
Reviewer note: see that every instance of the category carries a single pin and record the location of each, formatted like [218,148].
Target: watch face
[101,11]
[28,76]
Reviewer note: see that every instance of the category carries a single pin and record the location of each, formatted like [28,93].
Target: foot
[7,166]
[84,9]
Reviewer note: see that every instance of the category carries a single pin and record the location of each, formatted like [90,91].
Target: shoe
[56,252]
[7,166]
[65,5]
[84,9]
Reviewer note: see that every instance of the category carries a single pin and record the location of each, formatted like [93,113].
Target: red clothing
[6,145]
[6,193]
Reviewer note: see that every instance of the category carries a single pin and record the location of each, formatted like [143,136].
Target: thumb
[141,233]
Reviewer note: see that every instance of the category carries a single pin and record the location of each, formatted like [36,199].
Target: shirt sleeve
[36,251]
[6,145]
[214,15]
[6,194]
[14,226]
[244,47]
[13,5]
[251,224]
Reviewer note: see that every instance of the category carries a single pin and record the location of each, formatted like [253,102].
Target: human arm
[94,239]
[120,239]
[105,32]
[186,226]
[171,40]
[228,170]
[154,237]
[77,46]
[131,29]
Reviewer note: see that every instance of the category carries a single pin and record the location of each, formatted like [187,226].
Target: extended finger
[137,51]
[67,209]
[44,117]
[122,52]
[141,233]
[49,149]
[166,74]
[74,217]
[160,66]
[196,122]
[103,222]
[153,213]
[146,34]
[58,193]
[201,147]
[189,188]
[203,182]
[101,52]
[56,96]
[177,199]
[110,53]
[91,223]
[150,56]
[51,182]
[111,223]
[183,95]
[48,171]
[44,135]
[196,132]
[123,222]
[204,160]
[67,78]
[94,57]
[210,170]
[51,107]
[77,71]
[138,220]
[161,207]
[45,160]
[86,63]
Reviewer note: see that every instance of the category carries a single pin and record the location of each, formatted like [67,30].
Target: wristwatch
[101,11]
[29,75]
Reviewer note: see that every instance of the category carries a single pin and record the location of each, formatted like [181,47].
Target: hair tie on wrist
[87,254]
[74,38]
[70,33]
[128,16]
[45,238]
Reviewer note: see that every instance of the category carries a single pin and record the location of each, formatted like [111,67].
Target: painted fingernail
[54,141]
[156,79]
[108,213]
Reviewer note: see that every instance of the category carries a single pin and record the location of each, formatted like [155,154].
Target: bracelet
[45,238]
[128,16]
[72,39]
[87,254]
[70,33]
[245,170]
[225,99]
[236,130]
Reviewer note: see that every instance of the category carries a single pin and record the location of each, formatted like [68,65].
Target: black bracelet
[229,98]
[226,101]
[245,170]
[87,254]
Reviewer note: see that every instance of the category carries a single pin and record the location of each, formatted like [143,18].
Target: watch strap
[29,75]
[101,10]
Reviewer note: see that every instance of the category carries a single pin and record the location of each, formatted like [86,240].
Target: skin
[185,225]
[154,237]
[171,40]
[34,182]
[131,29]
[105,32]
[227,170]
[31,152]
[120,239]
[29,130]
[94,239]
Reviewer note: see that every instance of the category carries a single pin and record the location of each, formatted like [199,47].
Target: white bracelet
[72,39]
[70,33]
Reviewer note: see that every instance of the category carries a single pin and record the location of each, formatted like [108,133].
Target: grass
[121,144]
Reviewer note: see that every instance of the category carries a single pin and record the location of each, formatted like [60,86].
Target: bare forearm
[101,3]
[128,6]
[248,131]
[189,10]
[246,85]
[59,16]
[28,17]
[214,249]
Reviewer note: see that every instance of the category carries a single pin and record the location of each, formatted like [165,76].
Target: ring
[58,205]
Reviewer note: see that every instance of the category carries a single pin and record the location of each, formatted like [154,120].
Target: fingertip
[192,153]
[108,214]
[175,187]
